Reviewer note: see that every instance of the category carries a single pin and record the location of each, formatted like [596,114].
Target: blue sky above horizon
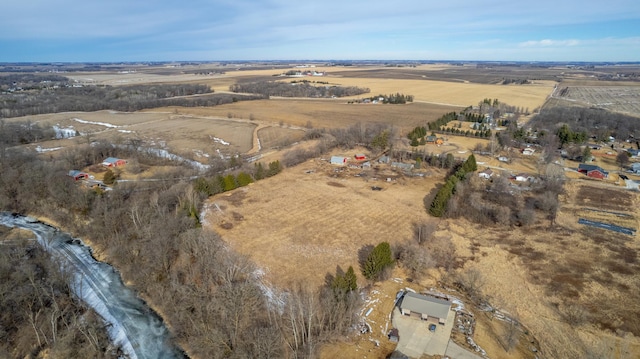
[212,30]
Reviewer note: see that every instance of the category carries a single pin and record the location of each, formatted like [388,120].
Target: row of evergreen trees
[220,183]
[439,205]
[443,120]
[468,133]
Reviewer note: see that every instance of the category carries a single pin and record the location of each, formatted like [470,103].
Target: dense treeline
[394,99]
[14,133]
[39,315]
[209,295]
[125,98]
[284,89]
[439,204]
[594,122]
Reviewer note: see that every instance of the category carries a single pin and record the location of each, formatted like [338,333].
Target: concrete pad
[415,337]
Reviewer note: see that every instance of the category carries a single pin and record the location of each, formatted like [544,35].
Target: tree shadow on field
[363,253]
[428,198]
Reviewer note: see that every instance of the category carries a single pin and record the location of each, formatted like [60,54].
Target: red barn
[113,162]
[593,171]
[597,174]
[77,175]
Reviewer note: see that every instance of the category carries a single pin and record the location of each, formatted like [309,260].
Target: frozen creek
[132,324]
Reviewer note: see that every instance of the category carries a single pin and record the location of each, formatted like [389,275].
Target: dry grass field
[299,226]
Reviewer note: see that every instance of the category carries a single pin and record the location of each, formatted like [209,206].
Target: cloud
[549,43]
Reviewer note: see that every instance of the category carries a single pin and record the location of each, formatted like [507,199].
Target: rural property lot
[299,226]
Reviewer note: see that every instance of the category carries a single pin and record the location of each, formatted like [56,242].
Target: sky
[227,30]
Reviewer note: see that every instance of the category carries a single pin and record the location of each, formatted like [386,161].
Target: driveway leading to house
[415,337]
[454,351]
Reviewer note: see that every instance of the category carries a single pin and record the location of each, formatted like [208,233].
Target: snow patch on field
[220,141]
[162,153]
[39,149]
[125,131]
[67,132]
[105,124]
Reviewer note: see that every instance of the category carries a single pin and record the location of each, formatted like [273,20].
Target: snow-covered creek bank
[132,324]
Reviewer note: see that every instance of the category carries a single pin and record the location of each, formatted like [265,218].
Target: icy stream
[132,324]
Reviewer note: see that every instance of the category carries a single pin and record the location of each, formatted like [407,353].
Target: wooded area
[125,98]
[595,122]
[283,89]
[39,312]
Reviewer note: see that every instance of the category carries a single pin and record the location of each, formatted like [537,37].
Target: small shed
[338,160]
[427,308]
[486,174]
[360,157]
[503,159]
[522,177]
[528,151]
[113,162]
[78,175]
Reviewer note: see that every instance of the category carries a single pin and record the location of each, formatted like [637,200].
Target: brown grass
[300,226]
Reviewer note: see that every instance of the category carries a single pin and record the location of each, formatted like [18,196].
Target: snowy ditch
[132,325]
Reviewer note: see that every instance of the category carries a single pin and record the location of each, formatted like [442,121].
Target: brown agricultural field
[324,113]
[624,99]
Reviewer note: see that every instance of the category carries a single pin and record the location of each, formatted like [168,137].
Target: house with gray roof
[426,308]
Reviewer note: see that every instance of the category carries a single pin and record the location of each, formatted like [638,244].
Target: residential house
[113,162]
[78,175]
[635,167]
[633,152]
[426,308]
[435,140]
[593,171]
[338,160]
